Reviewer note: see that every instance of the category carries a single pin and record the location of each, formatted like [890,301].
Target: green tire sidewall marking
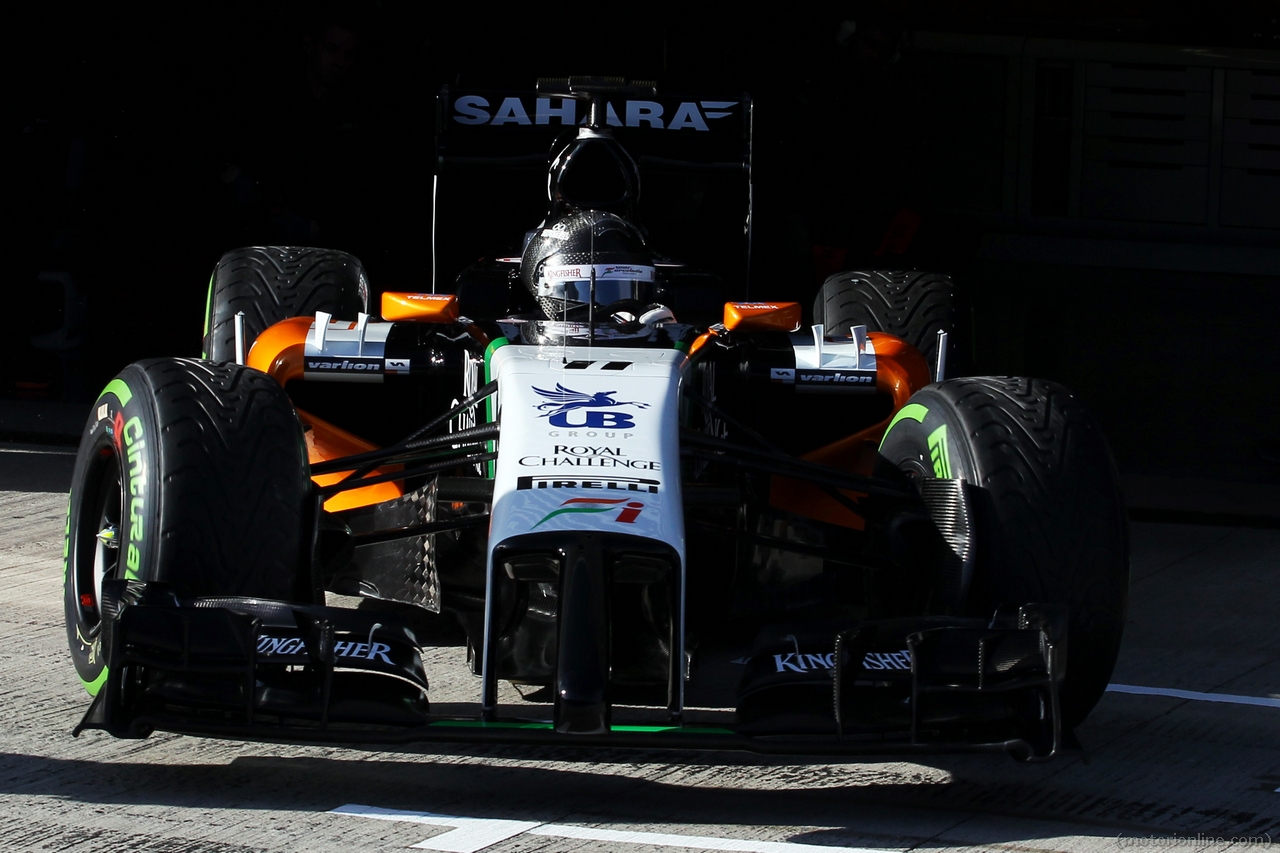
[66,541]
[122,393]
[208,304]
[94,686]
[911,411]
[116,386]
[494,346]
[136,475]
[120,390]
[938,453]
[91,686]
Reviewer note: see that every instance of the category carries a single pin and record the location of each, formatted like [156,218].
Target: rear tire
[191,473]
[911,304]
[1049,521]
[273,283]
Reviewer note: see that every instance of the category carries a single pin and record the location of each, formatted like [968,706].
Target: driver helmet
[559,260]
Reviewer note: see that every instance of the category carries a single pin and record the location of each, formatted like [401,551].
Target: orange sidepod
[775,316]
[325,442]
[278,352]
[904,373]
[427,307]
[900,371]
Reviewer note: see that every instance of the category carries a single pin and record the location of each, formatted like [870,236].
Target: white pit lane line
[1227,698]
[471,834]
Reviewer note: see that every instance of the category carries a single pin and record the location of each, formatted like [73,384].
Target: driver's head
[558,263]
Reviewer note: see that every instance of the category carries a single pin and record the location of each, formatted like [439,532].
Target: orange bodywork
[278,352]
[424,307]
[700,341]
[774,316]
[900,371]
[770,316]
[326,441]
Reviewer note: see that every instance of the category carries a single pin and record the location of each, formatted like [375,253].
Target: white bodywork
[592,448]
[343,351]
[831,364]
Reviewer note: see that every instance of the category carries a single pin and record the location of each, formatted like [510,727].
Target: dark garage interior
[1100,178]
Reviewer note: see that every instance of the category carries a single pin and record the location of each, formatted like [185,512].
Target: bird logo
[564,399]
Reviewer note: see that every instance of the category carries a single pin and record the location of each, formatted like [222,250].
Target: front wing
[262,670]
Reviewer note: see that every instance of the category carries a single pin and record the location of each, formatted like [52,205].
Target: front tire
[191,473]
[1049,521]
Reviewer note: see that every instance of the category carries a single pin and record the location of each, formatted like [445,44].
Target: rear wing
[492,152]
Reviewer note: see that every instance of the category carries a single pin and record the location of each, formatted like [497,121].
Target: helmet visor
[614,283]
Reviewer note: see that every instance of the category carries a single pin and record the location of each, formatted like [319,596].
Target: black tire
[911,304]
[273,283]
[1049,519]
[202,470]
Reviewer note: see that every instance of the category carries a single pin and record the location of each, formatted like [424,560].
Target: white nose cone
[590,441]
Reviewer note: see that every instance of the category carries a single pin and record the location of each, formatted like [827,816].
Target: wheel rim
[98,539]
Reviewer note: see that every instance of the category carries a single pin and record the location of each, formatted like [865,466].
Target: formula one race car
[739,534]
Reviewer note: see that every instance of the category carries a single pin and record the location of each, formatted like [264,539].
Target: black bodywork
[781,635]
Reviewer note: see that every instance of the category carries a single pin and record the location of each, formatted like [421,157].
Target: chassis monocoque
[738,535]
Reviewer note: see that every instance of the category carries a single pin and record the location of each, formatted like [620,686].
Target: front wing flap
[263,670]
